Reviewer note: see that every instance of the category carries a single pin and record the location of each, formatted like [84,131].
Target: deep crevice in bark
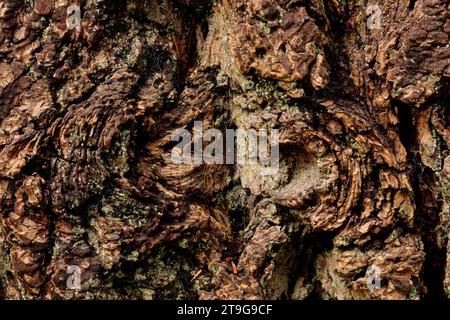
[427,206]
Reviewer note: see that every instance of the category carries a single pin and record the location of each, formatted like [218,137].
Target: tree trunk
[89,188]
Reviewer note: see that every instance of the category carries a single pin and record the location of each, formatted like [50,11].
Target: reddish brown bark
[85,142]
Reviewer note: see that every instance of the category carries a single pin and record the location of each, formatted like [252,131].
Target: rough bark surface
[86,176]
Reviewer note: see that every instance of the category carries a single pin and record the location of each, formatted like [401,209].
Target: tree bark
[87,179]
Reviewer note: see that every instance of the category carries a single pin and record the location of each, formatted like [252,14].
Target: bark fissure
[427,206]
